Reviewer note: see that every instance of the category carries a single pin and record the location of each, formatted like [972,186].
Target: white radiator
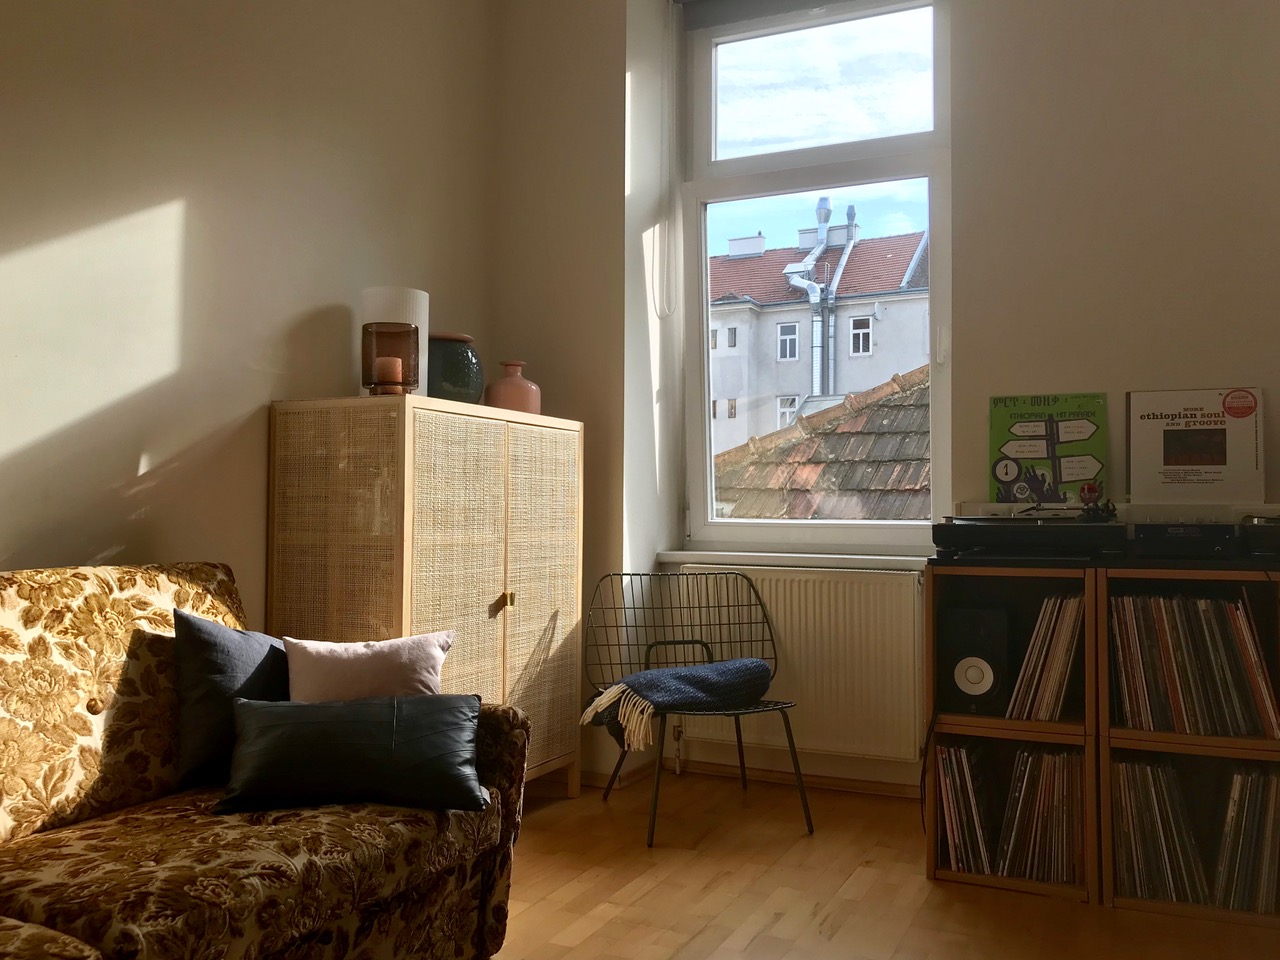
[850,649]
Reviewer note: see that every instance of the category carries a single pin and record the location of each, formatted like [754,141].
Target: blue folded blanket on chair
[632,702]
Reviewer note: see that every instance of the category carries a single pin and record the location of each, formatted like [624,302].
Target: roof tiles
[864,458]
[876,265]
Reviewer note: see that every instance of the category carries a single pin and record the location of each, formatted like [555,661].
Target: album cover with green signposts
[1049,448]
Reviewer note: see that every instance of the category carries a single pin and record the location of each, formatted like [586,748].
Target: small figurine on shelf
[1095,508]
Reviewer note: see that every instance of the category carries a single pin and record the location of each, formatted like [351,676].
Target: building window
[859,336]
[714,331]
[713,409]
[733,409]
[787,407]
[778,188]
[788,341]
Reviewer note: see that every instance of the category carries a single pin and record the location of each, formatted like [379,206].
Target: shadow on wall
[108,488]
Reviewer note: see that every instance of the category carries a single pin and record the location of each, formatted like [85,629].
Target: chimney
[824,217]
[851,213]
[747,246]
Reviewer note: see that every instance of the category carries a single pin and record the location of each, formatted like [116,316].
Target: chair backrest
[642,620]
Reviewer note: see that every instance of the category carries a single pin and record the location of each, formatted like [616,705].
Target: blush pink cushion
[319,670]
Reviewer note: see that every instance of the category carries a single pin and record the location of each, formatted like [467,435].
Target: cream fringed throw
[705,688]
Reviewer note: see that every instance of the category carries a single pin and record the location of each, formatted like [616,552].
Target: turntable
[1028,537]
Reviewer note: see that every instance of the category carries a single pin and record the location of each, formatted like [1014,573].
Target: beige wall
[192,196]
[558,294]
[1116,207]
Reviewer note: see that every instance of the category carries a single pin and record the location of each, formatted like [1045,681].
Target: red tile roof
[876,265]
[866,458]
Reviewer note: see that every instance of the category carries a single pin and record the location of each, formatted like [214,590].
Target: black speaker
[971,661]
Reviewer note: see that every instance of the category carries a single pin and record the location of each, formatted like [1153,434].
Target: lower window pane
[785,273]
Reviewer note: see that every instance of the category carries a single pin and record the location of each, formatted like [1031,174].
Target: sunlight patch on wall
[89,318]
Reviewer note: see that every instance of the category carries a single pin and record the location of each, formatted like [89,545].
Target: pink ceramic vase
[512,391]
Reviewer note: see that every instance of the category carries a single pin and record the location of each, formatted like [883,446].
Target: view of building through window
[828,314]
[824,290]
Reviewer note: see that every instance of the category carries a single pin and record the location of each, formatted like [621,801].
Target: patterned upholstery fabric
[30,941]
[87,695]
[169,878]
[99,859]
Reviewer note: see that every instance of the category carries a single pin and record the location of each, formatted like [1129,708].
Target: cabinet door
[336,507]
[459,545]
[543,573]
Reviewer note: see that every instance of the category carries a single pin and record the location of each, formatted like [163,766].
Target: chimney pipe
[824,218]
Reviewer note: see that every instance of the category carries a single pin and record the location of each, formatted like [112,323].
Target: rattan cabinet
[391,516]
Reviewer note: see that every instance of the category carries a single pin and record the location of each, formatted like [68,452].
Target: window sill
[757,558]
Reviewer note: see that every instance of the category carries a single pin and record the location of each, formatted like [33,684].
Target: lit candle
[387,370]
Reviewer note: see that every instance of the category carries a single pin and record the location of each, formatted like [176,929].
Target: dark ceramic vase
[453,368]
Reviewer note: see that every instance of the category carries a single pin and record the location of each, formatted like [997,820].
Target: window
[813,134]
[788,341]
[787,407]
[859,336]
[714,331]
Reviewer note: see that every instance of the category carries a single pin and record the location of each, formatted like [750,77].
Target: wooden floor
[735,875]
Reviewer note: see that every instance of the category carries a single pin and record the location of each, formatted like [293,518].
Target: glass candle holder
[389,358]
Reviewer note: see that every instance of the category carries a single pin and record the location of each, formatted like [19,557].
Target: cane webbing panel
[336,516]
[459,545]
[542,572]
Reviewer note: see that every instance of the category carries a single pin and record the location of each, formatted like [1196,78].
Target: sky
[835,83]
[883,209]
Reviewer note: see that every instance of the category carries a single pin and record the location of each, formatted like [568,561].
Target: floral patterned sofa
[101,858]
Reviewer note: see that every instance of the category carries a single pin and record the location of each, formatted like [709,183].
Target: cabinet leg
[573,778]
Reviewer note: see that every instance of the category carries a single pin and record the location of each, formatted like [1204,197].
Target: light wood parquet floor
[734,875]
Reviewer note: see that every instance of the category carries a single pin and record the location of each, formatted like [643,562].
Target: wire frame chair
[639,621]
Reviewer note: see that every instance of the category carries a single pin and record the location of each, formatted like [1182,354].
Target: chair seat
[764,706]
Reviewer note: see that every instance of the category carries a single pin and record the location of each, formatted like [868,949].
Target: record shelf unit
[1011,766]
[1190,739]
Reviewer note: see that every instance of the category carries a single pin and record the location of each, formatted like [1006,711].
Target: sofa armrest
[502,749]
[30,941]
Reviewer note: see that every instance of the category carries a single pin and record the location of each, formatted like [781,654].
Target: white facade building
[795,329]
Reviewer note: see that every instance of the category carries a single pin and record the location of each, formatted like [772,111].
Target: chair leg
[742,760]
[795,763]
[657,775]
[613,778]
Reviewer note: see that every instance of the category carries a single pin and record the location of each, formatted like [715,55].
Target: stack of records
[964,808]
[1191,666]
[1041,689]
[1043,833]
[1249,858]
[1156,854]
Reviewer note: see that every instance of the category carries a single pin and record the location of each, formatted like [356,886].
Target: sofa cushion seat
[30,941]
[169,878]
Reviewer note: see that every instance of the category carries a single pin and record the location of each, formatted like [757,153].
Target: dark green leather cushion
[416,751]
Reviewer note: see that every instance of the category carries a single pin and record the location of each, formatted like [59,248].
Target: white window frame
[856,336]
[792,338]
[788,410]
[732,411]
[731,337]
[709,181]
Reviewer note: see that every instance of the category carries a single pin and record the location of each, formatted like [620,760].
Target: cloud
[857,80]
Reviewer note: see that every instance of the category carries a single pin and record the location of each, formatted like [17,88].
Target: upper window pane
[837,83]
